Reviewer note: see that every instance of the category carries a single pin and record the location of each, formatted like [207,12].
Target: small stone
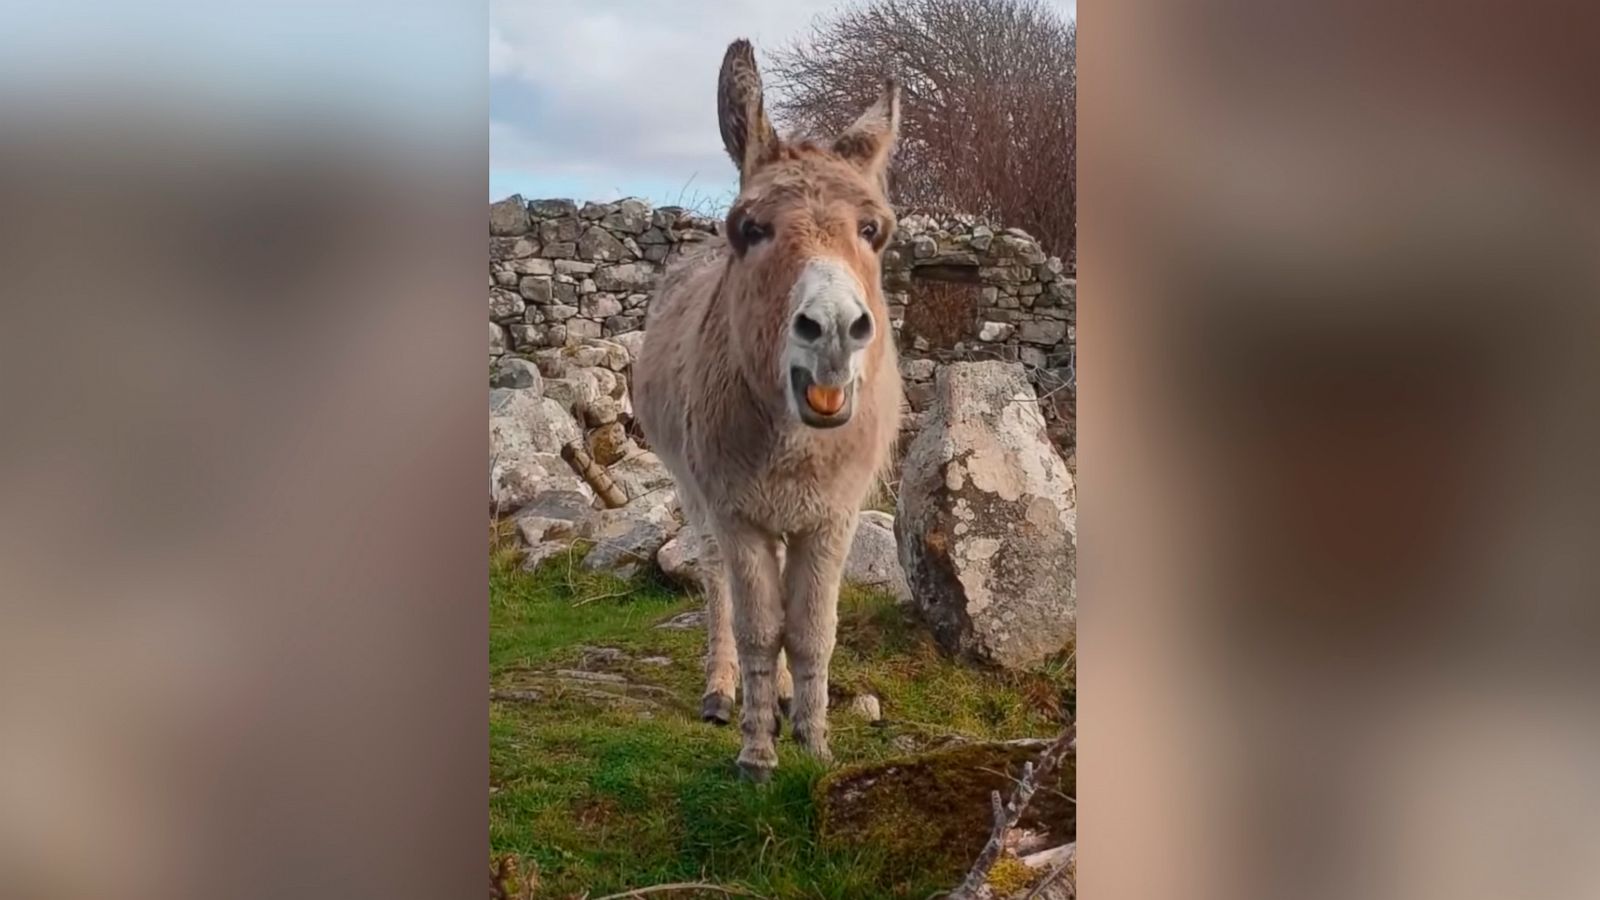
[874,559]
[572,390]
[608,443]
[990,332]
[615,325]
[602,410]
[551,209]
[1044,331]
[559,231]
[598,243]
[626,278]
[535,288]
[573,267]
[581,329]
[631,342]
[517,373]
[600,305]
[504,305]
[528,337]
[916,369]
[923,247]
[497,339]
[867,707]
[509,216]
[631,216]
[535,266]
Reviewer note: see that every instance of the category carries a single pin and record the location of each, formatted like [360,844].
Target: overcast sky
[601,99]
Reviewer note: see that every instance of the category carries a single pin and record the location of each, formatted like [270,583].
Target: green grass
[604,797]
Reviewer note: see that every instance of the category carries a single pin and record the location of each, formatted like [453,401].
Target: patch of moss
[1010,876]
[932,813]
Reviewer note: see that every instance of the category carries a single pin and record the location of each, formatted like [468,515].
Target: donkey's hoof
[755,772]
[818,749]
[716,709]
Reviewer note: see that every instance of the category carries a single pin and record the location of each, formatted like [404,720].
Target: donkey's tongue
[825,400]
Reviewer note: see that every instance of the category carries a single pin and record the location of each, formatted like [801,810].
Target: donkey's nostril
[861,328]
[807,328]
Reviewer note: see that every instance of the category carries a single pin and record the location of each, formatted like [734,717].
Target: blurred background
[241,641]
[1337,497]
[606,100]
[1338,411]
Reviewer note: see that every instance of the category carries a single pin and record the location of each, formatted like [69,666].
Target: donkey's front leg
[811,621]
[758,630]
[722,662]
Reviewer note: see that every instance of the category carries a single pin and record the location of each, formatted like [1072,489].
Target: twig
[1057,872]
[1006,814]
[608,596]
[680,886]
[517,696]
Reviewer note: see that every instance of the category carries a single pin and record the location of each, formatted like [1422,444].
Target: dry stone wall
[958,289]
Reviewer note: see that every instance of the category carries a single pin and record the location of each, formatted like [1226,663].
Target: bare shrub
[988,109]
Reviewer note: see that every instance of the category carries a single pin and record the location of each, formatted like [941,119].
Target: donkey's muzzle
[820,405]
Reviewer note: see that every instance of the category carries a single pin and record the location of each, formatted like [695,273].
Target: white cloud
[622,88]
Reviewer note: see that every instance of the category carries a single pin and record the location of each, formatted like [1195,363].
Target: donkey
[768,384]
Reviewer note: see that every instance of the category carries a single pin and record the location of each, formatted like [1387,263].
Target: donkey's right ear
[741,114]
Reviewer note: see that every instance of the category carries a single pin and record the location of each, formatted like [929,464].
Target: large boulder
[987,520]
[684,559]
[641,475]
[873,560]
[514,372]
[627,539]
[526,433]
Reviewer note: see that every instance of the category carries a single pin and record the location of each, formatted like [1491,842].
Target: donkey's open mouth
[821,406]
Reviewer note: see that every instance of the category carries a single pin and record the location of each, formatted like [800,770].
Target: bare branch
[988,110]
[680,886]
[1007,814]
[1060,869]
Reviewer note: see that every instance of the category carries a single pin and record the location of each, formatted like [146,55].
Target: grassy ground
[602,795]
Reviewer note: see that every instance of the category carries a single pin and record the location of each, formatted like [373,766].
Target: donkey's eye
[869,230]
[752,231]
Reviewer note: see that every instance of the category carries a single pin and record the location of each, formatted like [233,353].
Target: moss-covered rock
[931,814]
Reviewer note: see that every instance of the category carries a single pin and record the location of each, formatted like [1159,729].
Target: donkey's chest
[800,490]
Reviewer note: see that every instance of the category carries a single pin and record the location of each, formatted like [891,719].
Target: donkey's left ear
[869,142]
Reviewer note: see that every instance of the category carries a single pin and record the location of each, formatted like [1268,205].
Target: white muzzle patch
[830,327]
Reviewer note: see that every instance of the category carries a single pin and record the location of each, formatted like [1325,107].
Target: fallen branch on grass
[517,696]
[680,886]
[1006,814]
[1069,854]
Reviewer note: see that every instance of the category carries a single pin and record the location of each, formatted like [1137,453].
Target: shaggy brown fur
[732,336]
